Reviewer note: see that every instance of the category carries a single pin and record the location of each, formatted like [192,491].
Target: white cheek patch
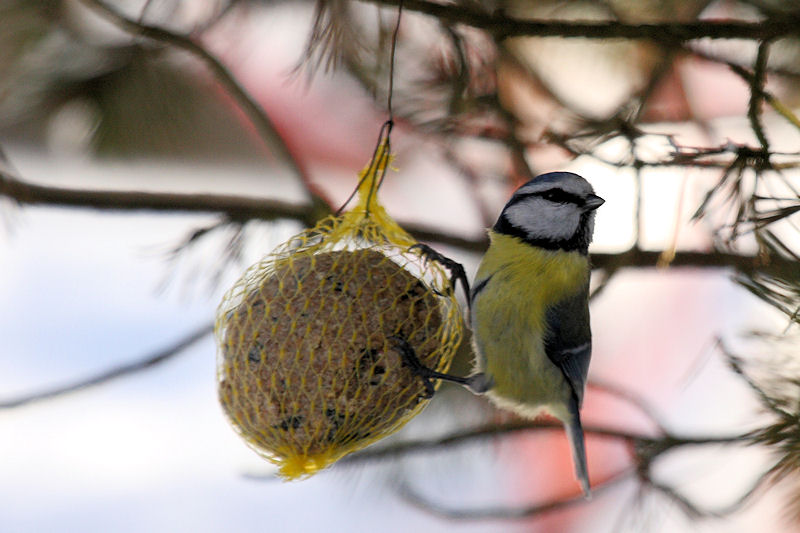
[541,219]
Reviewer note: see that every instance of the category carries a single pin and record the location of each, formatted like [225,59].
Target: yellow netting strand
[311,338]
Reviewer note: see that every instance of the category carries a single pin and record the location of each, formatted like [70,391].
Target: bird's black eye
[555,195]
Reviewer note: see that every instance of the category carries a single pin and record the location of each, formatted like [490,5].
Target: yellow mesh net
[312,337]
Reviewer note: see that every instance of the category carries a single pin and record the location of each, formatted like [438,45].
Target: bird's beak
[592,202]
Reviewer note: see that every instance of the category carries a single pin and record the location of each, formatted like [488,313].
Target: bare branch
[687,506]
[508,513]
[632,398]
[243,208]
[710,259]
[695,511]
[398,450]
[669,33]
[234,207]
[650,447]
[145,363]
[252,109]
[645,451]
[756,91]
[768,97]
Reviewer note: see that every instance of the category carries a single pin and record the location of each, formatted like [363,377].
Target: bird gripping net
[312,338]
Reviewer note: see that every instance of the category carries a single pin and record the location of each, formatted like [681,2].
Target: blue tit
[530,305]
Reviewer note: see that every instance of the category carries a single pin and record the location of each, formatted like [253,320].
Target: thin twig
[696,511]
[252,109]
[736,364]
[126,369]
[632,398]
[508,513]
[657,445]
[756,90]
[238,208]
[768,97]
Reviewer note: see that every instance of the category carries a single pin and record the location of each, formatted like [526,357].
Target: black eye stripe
[559,196]
[579,242]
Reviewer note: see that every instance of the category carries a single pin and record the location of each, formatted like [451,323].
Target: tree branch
[649,447]
[634,399]
[756,90]
[234,207]
[112,373]
[747,264]
[696,511]
[469,436]
[243,208]
[670,33]
[645,451]
[508,513]
[778,106]
[252,109]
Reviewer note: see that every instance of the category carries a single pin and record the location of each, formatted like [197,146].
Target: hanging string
[391,65]
[383,148]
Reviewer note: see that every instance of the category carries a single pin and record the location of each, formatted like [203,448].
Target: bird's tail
[576,442]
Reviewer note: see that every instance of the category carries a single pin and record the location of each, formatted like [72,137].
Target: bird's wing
[568,342]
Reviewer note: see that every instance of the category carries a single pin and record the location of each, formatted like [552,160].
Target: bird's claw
[456,269]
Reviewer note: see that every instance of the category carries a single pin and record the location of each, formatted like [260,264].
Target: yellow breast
[509,317]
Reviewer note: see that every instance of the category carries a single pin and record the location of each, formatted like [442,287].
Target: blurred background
[151,150]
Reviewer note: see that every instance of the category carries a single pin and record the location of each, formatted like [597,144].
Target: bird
[529,307]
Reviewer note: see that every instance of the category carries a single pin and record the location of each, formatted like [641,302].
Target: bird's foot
[477,383]
[455,268]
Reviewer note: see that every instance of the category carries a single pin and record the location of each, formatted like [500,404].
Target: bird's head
[553,211]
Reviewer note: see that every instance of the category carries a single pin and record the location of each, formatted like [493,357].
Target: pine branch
[244,208]
[756,91]
[503,26]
